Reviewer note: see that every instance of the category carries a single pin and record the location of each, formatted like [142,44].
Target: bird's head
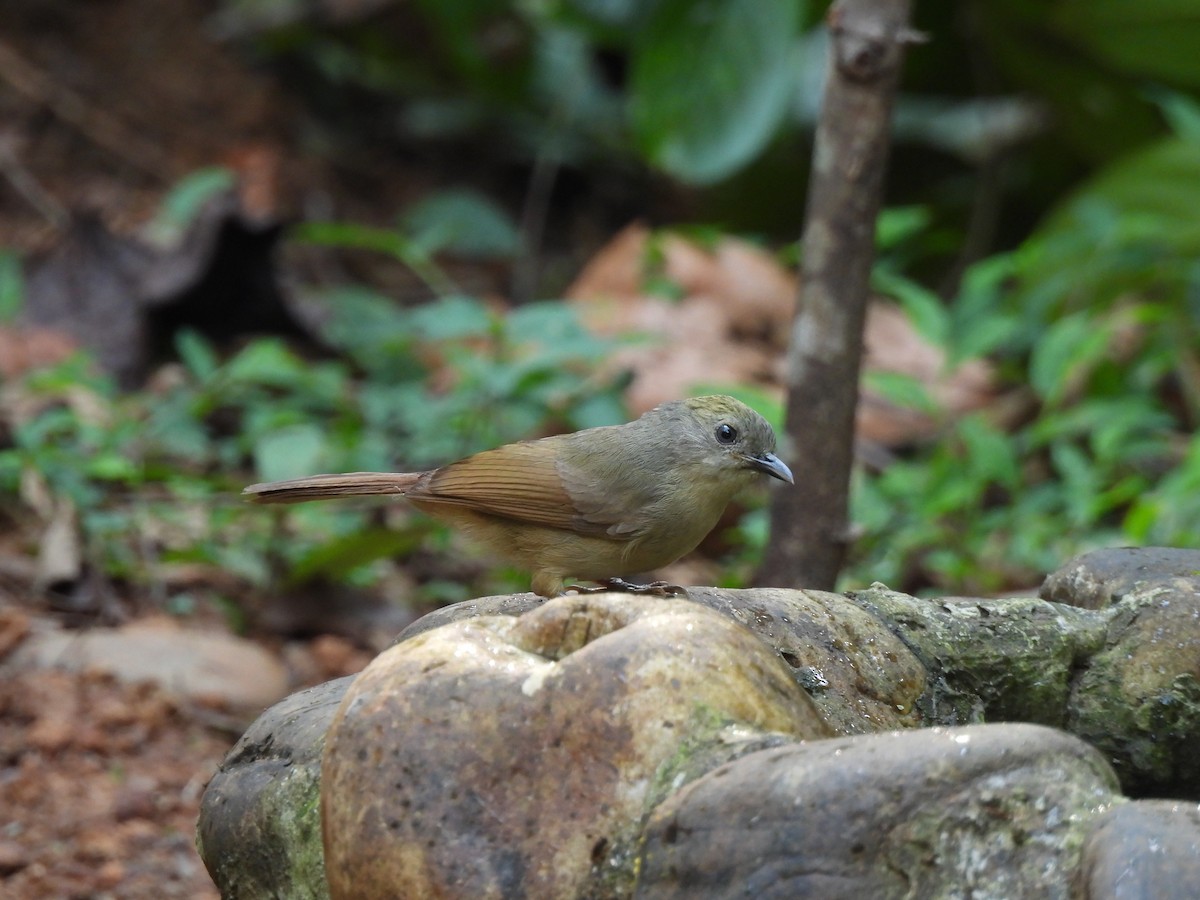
[729,435]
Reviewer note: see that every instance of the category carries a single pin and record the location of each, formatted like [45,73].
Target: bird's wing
[527,482]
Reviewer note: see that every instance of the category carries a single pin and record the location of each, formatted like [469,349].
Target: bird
[596,504]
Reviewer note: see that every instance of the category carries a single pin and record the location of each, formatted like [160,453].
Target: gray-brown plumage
[595,504]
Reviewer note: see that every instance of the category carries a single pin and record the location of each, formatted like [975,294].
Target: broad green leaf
[710,82]
[1182,112]
[599,408]
[903,390]
[1070,344]
[184,201]
[1151,195]
[114,467]
[924,309]
[400,246]
[197,354]
[357,237]
[289,452]
[453,317]
[12,286]
[1152,39]
[462,222]
[1131,229]
[990,453]
[336,559]
[267,362]
[1098,113]
[899,223]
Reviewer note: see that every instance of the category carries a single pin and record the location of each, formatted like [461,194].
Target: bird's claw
[654,588]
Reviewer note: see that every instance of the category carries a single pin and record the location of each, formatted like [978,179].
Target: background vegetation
[1044,191]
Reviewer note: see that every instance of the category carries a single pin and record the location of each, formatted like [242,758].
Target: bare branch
[809,524]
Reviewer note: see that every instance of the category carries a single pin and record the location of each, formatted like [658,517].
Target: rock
[1010,659]
[497,605]
[985,812]
[210,666]
[511,745]
[1148,850]
[1138,698]
[861,675]
[259,831]
[1100,578]
[510,756]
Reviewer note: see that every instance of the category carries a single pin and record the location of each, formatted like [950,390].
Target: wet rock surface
[985,811]
[1102,577]
[510,756]
[217,668]
[259,830]
[609,745]
[1148,849]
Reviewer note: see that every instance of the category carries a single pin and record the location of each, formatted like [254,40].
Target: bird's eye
[726,434]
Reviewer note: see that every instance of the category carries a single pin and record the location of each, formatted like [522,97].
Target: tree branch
[809,523]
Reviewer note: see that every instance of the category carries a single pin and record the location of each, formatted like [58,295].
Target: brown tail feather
[325,487]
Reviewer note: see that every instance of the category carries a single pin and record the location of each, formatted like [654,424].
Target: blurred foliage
[1045,181]
[12,285]
[154,474]
[1096,317]
[720,92]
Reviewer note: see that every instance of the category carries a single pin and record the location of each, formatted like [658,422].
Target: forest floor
[100,778]
[101,783]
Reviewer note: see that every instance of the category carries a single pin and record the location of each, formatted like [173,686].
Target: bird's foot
[654,588]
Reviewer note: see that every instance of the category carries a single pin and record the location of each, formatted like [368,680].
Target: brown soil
[101,784]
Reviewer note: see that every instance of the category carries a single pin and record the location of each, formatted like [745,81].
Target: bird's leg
[655,588]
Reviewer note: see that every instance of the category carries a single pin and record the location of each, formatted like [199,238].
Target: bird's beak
[772,465]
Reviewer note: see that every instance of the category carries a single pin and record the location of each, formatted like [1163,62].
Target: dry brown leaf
[891,344]
[26,349]
[725,329]
[732,324]
[617,270]
[763,291]
[60,554]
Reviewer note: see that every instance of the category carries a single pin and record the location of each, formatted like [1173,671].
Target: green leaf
[453,317]
[1151,39]
[710,82]
[1069,345]
[12,286]
[925,309]
[903,390]
[1081,482]
[899,223]
[1181,111]
[267,362]
[338,558]
[357,237]
[114,467]
[598,408]
[990,453]
[400,246]
[1147,198]
[464,223]
[184,201]
[289,452]
[980,322]
[197,354]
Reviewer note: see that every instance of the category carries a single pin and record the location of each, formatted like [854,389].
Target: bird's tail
[325,487]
